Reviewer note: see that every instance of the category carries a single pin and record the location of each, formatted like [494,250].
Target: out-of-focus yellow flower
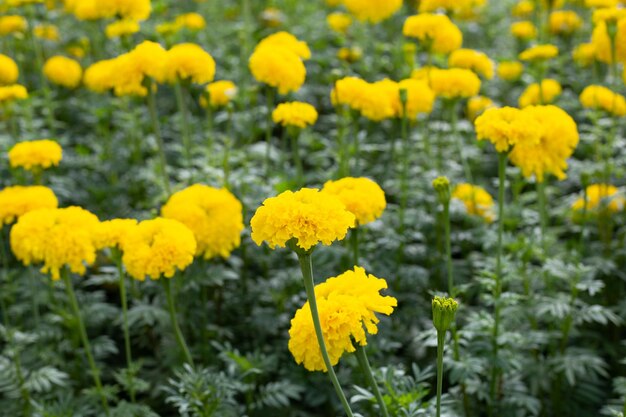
[57,238]
[278,67]
[191,21]
[99,76]
[524,30]
[584,54]
[510,70]
[47,32]
[523,8]
[454,83]
[214,216]
[601,196]
[539,53]
[158,248]
[13,92]
[456,7]
[602,42]
[272,17]
[352,54]
[361,196]
[373,11]
[79,48]
[564,22]
[100,9]
[339,22]
[220,93]
[296,114]
[473,60]
[121,28]
[36,154]
[477,105]
[600,4]
[347,307]
[608,15]
[507,127]
[63,71]
[187,61]
[287,41]
[379,100]
[420,98]
[113,233]
[477,200]
[12,24]
[167,28]
[435,32]
[602,98]
[307,217]
[533,95]
[18,200]
[8,70]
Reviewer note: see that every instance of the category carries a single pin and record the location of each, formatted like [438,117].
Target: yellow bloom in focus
[215,217]
[361,196]
[18,200]
[63,71]
[348,91]
[191,21]
[510,70]
[523,30]
[278,67]
[557,143]
[339,22]
[533,95]
[36,154]
[306,216]
[420,98]
[539,53]
[602,42]
[296,114]
[121,28]
[112,233]
[12,24]
[477,105]
[602,98]
[47,32]
[347,307]
[8,70]
[187,61]
[157,248]
[523,8]
[584,54]
[603,196]
[220,93]
[477,200]
[13,92]
[436,32]
[373,11]
[507,127]
[454,83]
[56,238]
[287,41]
[564,22]
[473,60]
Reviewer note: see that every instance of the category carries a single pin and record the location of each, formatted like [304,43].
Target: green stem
[364,363]
[296,157]
[177,332]
[354,242]
[440,344]
[268,129]
[127,350]
[228,141]
[454,120]
[307,274]
[543,214]
[156,129]
[404,179]
[184,119]
[83,335]
[446,223]
[209,131]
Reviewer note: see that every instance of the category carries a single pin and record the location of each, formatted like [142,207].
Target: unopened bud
[442,187]
[444,311]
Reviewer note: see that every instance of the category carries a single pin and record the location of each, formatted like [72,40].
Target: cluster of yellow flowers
[473,60]
[347,307]
[601,40]
[533,94]
[477,200]
[295,114]
[435,32]
[601,196]
[18,200]
[564,22]
[102,9]
[63,71]
[361,196]
[36,154]
[372,11]
[599,97]
[454,83]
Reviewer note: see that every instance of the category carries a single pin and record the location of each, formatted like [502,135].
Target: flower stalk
[178,334]
[364,363]
[184,120]
[156,129]
[127,348]
[444,312]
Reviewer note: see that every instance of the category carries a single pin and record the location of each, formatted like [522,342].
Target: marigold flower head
[13,92]
[539,53]
[101,9]
[187,61]
[420,98]
[191,21]
[296,114]
[608,14]
[477,201]
[533,95]
[213,215]
[339,22]
[278,67]
[564,22]
[557,143]
[112,233]
[454,83]
[121,28]
[287,41]
[477,105]
[307,216]
[47,32]
[510,70]
[602,98]
[373,11]
[17,200]
[436,32]
[157,248]
[584,54]
[524,30]
[220,93]
[36,154]
[347,307]
[12,24]
[601,3]
[348,91]
[601,196]
[380,100]
[506,127]
[99,76]
[523,8]
[8,70]
[602,42]
[473,60]
[457,7]
[63,71]
[57,238]
[361,196]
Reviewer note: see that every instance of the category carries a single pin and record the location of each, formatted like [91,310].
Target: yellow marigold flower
[8,70]
[361,196]
[380,100]
[347,307]
[99,76]
[132,9]
[477,200]
[539,53]
[272,17]
[295,114]
[90,9]
[63,71]
[147,57]
[112,233]
[278,67]
[602,42]
[36,154]
[564,22]
[420,98]
[584,54]
[477,105]
[220,93]
[13,92]
[523,30]
[599,97]
[339,22]
[351,54]
[473,60]
[507,127]
[57,238]
[510,70]
[423,73]
[606,15]
[436,32]
[157,248]
[557,143]
[523,8]
[287,41]
[187,61]
[454,6]
[348,91]
[12,24]
[454,83]
[373,11]
[600,3]
[47,32]
[191,21]
[533,95]
[306,216]
[121,28]
[18,200]
[604,196]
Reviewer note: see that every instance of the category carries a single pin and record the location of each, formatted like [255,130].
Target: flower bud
[444,311]
[442,187]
